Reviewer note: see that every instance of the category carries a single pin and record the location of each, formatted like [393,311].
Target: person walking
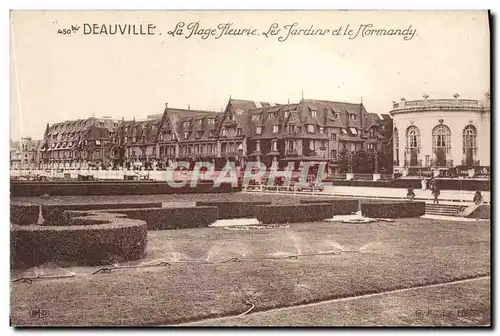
[436,192]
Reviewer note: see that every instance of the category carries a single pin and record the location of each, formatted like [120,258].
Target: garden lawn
[408,253]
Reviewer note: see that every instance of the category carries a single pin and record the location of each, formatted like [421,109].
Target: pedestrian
[435,192]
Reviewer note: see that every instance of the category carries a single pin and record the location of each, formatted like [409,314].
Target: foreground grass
[460,304]
[412,252]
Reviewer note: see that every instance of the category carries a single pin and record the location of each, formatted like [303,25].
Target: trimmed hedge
[115,239]
[24,214]
[228,210]
[91,188]
[340,207]
[275,214]
[172,218]
[393,210]
[482,212]
[56,214]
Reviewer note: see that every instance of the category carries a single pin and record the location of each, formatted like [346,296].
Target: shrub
[24,214]
[57,214]
[340,207]
[274,214]
[114,239]
[172,218]
[393,210]
[228,210]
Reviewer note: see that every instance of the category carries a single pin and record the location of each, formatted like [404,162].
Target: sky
[56,77]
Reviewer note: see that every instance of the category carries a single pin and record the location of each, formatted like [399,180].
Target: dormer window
[239,132]
[336,115]
[210,121]
[275,129]
[287,113]
[371,133]
[161,136]
[259,130]
[322,130]
[186,135]
[310,128]
[314,113]
[199,122]
[271,115]
[172,136]
[224,132]
[352,116]
[186,124]
[275,145]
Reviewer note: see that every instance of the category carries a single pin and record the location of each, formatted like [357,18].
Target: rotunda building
[441,135]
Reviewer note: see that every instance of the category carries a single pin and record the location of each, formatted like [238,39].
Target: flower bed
[172,218]
[274,214]
[57,214]
[24,214]
[228,210]
[104,237]
[340,207]
[393,210]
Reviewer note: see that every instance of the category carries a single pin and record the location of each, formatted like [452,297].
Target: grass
[459,304]
[405,254]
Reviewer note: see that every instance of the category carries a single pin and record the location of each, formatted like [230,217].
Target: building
[25,154]
[82,143]
[312,131]
[449,136]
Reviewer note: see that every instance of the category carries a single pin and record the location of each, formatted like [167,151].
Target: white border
[186,4]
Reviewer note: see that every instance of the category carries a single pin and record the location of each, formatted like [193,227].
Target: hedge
[80,188]
[117,239]
[340,207]
[56,214]
[482,212]
[172,218]
[393,210]
[24,214]
[274,214]
[228,210]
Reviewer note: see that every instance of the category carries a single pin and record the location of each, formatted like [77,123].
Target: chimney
[189,106]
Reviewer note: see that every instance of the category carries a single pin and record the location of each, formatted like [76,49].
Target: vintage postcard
[250,168]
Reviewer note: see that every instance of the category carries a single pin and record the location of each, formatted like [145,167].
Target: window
[343,131]
[162,150]
[210,121]
[275,145]
[259,130]
[352,116]
[311,145]
[469,139]
[291,145]
[202,149]
[333,154]
[186,124]
[371,132]
[441,142]
[212,133]
[336,115]
[287,113]
[256,117]
[291,128]
[413,137]
[310,128]
[257,146]
[223,147]
[161,136]
[224,132]
[334,137]
[396,147]
[314,113]
[239,132]
[186,135]
[199,122]
[372,146]
[353,131]
[133,139]
[197,149]
[321,130]
[154,151]
[172,136]
[271,115]
[275,129]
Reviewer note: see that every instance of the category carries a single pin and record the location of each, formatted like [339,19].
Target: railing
[475,163]
[438,103]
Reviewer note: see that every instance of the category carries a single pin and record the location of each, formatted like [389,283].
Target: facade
[449,136]
[82,143]
[25,154]
[311,130]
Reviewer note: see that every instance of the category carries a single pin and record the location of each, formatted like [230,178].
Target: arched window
[412,145]
[396,146]
[441,144]
[469,145]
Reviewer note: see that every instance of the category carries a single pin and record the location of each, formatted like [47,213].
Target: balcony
[230,123]
[475,163]
[291,152]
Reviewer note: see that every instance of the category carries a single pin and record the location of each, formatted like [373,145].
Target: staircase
[444,209]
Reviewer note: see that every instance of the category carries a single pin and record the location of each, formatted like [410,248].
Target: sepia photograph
[223,168]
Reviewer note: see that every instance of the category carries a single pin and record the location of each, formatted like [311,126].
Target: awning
[353,130]
[98,142]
